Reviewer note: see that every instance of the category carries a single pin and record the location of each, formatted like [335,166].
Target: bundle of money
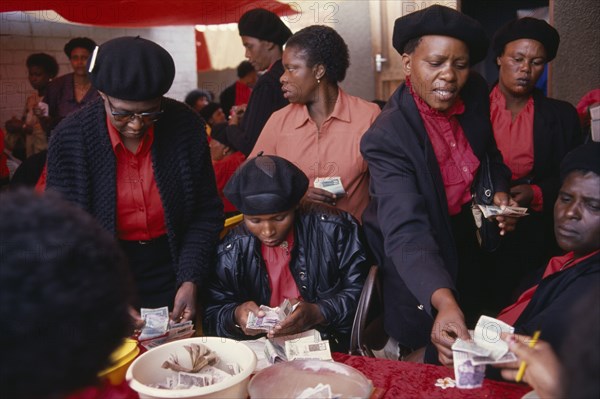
[159,329]
[493,210]
[321,391]
[486,347]
[305,345]
[273,316]
[332,184]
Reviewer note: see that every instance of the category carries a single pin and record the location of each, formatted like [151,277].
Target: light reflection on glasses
[121,116]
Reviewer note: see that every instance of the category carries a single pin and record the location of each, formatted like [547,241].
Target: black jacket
[407,222]
[329,264]
[82,166]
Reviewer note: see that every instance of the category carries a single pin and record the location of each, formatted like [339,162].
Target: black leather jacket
[329,264]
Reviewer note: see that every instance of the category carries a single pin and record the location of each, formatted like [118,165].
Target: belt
[144,242]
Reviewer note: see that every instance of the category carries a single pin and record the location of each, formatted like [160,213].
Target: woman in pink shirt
[320,130]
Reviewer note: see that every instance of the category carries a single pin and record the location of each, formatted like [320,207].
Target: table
[394,379]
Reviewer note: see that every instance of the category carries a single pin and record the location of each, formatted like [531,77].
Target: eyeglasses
[147,117]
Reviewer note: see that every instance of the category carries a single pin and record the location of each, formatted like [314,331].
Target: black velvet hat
[219,133]
[265,185]
[527,28]
[441,21]
[586,157]
[264,25]
[131,68]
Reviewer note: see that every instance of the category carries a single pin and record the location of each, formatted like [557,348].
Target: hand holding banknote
[305,316]
[241,316]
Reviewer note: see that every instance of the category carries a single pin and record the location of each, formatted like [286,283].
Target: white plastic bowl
[147,370]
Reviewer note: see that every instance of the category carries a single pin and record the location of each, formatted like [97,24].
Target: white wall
[22,34]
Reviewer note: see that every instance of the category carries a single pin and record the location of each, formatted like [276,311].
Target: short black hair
[412,44]
[44,61]
[83,42]
[64,296]
[323,45]
[194,95]
[244,69]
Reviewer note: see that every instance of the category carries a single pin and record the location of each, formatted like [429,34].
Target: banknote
[332,184]
[512,211]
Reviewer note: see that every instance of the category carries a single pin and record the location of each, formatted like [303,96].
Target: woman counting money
[311,255]
[320,130]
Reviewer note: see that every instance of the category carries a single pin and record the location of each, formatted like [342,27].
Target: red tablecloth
[396,379]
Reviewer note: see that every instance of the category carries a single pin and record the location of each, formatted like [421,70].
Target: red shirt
[458,164]
[224,169]
[281,281]
[242,93]
[140,213]
[557,264]
[515,139]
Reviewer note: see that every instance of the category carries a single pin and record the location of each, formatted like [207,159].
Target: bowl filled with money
[200,367]
[310,379]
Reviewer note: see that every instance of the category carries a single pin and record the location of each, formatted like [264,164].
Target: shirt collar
[340,111]
[456,109]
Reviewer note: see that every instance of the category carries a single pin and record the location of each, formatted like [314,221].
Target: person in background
[42,69]
[198,99]
[320,130]
[263,35]
[239,92]
[140,164]
[424,151]
[313,255]
[225,160]
[66,290]
[72,91]
[213,114]
[534,133]
[569,277]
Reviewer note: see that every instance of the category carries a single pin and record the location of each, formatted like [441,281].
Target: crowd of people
[133,189]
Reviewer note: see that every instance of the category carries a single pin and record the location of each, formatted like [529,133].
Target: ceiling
[145,13]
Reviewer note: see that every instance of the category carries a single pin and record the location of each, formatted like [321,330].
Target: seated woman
[311,254]
[546,306]
[225,160]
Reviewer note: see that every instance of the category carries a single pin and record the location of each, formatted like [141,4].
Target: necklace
[285,246]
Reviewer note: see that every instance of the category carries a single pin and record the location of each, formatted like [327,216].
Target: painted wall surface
[576,68]
[22,34]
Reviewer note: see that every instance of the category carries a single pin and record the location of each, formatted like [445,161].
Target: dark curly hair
[244,69]
[195,95]
[64,296]
[44,61]
[83,42]
[323,45]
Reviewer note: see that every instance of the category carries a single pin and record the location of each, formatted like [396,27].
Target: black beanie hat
[586,157]
[527,28]
[441,21]
[264,25]
[266,184]
[131,68]
[219,133]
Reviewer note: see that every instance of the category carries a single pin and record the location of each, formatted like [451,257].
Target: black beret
[264,25]
[82,42]
[219,133]
[132,68]
[208,110]
[442,21]
[586,157]
[527,28]
[266,184]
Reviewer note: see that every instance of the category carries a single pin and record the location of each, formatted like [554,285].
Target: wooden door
[388,66]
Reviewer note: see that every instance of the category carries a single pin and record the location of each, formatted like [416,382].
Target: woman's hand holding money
[449,324]
[315,194]
[304,317]
[184,306]
[241,316]
[505,223]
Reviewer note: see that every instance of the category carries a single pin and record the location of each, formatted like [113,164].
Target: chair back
[367,330]
[231,223]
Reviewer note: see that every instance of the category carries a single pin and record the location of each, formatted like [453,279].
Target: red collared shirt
[140,213]
[224,169]
[281,281]
[458,164]
[515,140]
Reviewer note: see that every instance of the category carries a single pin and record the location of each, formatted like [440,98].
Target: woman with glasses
[140,164]
[72,91]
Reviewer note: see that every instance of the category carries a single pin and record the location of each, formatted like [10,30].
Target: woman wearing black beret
[533,133]
[424,151]
[140,164]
